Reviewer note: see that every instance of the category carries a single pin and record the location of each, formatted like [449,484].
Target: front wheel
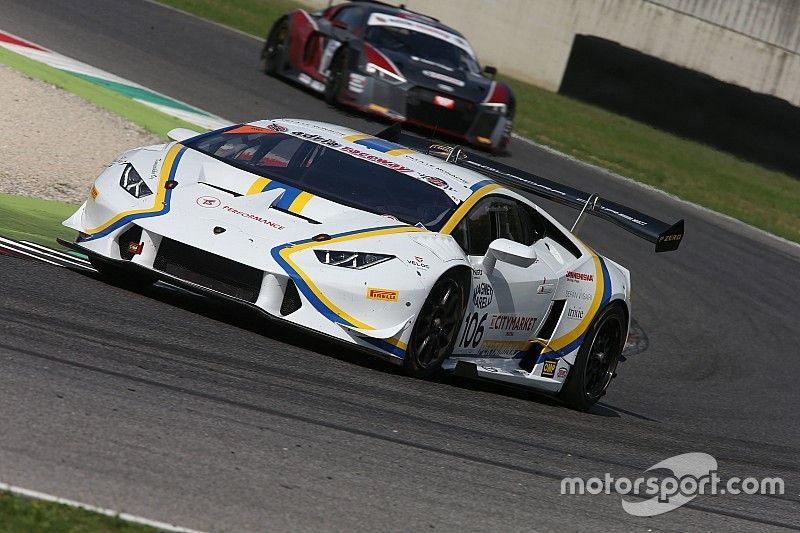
[273,55]
[336,77]
[597,359]
[436,328]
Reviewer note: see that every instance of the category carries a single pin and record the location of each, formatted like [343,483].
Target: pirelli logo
[387,295]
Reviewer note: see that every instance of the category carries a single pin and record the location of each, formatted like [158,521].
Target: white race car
[428,263]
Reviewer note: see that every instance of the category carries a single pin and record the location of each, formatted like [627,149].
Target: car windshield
[327,172]
[421,47]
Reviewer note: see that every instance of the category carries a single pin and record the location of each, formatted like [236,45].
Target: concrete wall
[532,39]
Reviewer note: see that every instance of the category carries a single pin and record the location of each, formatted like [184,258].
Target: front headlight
[132,182]
[355,260]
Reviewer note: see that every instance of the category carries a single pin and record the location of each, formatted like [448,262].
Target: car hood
[214,207]
[441,79]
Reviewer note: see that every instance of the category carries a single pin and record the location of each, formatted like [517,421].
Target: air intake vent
[291,299]
[551,321]
[209,270]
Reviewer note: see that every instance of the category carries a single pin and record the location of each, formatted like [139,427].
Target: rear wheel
[435,330]
[273,55]
[122,277]
[597,359]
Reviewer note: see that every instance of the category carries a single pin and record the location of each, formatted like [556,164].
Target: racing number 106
[473,330]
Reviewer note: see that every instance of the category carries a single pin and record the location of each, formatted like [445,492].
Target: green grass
[35,220]
[250,16]
[692,171]
[146,117]
[764,198]
[22,515]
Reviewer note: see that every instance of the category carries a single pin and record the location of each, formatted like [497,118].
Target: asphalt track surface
[169,406]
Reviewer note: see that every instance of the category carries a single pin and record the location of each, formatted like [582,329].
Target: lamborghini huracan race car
[396,64]
[429,257]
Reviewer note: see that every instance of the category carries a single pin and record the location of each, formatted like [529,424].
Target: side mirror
[508,251]
[181,134]
[490,71]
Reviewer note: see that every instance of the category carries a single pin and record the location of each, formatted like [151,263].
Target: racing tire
[337,74]
[122,277]
[273,55]
[597,359]
[436,328]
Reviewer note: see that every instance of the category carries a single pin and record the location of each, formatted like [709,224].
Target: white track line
[27,493]
[38,254]
[55,252]
[38,258]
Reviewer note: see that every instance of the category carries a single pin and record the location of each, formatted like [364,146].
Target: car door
[507,305]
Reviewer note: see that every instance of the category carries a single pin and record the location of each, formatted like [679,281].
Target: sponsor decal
[247,128]
[575,313]
[477,272]
[93,193]
[375,159]
[667,238]
[251,216]
[512,322]
[482,295]
[387,295]
[135,247]
[444,87]
[578,295]
[208,201]
[579,276]
[549,368]
[319,139]
[504,349]
[418,262]
[443,77]
[436,182]
[562,372]
[154,170]
[623,215]
[443,101]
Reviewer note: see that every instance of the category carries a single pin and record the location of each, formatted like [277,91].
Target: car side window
[498,218]
[517,222]
[479,228]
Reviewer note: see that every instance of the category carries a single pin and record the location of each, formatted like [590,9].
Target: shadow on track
[244,318]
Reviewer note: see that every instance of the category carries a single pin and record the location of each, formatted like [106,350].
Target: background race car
[395,64]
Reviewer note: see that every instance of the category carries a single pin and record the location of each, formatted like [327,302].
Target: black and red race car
[394,63]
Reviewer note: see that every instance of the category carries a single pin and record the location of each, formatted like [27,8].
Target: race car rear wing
[666,237]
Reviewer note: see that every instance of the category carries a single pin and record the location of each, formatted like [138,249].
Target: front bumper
[135,268]
[447,114]
[293,286]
